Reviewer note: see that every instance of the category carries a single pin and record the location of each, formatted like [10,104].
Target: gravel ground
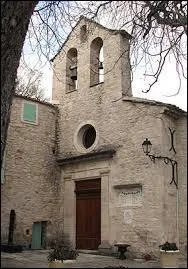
[38,259]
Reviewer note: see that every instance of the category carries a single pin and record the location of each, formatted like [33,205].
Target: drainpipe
[177,209]
[177,218]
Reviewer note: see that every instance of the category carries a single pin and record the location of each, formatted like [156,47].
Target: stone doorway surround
[70,200]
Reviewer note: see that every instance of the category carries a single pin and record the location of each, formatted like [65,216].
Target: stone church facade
[82,164]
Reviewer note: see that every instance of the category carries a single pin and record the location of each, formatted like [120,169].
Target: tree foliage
[28,84]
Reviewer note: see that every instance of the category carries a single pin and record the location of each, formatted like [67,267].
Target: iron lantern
[146,145]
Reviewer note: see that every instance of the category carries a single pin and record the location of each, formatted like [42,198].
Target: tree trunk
[15,17]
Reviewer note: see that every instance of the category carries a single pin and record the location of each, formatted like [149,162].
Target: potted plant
[169,255]
[61,251]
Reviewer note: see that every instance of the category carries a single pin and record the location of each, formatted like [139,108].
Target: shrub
[168,246]
[61,248]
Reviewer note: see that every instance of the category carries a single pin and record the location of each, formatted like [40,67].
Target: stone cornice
[100,155]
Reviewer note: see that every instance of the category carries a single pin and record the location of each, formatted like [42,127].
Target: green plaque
[30,112]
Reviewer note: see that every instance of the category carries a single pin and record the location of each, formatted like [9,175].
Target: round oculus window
[89,136]
[86,137]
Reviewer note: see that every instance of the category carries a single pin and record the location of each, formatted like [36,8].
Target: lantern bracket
[147,147]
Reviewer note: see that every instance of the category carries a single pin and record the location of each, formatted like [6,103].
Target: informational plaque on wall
[130,196]
[128,216]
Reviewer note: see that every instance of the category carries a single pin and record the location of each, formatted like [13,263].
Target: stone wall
[123,126]
[181,145]
[31,184]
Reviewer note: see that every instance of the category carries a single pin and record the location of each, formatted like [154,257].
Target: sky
[166,86]
[162,91]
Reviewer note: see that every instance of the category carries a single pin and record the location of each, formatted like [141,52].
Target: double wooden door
[88,214]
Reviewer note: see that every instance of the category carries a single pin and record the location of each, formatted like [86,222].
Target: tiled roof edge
[154,103]
[34,100]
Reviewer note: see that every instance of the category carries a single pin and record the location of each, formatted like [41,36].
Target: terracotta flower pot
[59,264]
[56,264]
[169,258]
[68,261]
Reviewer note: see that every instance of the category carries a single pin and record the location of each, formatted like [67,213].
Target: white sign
[128,216]
[131,196]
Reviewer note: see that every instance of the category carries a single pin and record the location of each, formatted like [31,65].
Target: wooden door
[36,235]
[43,233]
[88,214]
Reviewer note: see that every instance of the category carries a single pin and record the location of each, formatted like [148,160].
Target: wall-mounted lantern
[147,145]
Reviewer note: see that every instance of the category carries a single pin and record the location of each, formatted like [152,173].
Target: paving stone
[38,259]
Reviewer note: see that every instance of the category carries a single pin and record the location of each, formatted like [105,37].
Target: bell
[73,69]
[100,65]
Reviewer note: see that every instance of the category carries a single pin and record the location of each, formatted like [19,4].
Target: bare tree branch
[28,84]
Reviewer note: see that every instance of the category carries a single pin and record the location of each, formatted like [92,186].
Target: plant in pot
[61,250]
[169,255]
